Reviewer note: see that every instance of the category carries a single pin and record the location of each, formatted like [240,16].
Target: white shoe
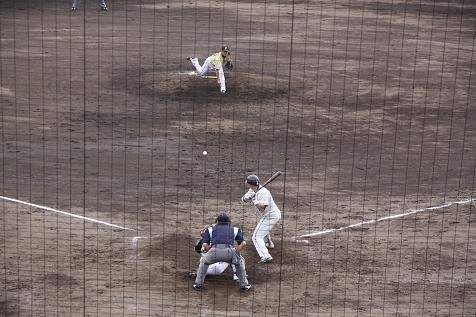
[235,278]
[245,288]
[266,260]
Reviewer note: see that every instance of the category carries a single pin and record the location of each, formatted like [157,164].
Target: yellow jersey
[218,60]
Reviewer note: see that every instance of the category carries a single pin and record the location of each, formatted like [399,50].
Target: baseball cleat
[73,8]
[245,288]
[104,8]
[266,260]
[235,278]
[190,58]
[197,287]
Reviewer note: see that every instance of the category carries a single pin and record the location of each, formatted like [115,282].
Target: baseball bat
[272,178]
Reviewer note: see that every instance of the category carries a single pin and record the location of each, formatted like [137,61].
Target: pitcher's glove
[229,65]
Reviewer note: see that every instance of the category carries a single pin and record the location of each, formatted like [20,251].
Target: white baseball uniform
[269,217]
[217,268]
[213,62]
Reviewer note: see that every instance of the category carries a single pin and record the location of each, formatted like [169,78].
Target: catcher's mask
[252,180]
[223,218]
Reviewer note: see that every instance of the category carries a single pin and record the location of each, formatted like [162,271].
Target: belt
[221,246]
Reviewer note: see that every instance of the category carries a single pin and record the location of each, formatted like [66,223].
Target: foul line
[463,202]
[62,212]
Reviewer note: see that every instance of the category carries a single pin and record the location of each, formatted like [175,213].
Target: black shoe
[245,288]
[190,58]
[73,8]
[197,287]
[104,8]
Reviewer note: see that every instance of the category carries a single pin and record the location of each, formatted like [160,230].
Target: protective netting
[367,107]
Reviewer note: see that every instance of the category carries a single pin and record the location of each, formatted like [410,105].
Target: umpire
[218,241]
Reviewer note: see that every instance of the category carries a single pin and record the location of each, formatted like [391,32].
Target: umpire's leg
[241,269]
[205,261]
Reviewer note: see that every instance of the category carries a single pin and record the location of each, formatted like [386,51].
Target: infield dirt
[367,107]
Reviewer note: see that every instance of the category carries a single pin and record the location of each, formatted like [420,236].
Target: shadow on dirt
[186,86]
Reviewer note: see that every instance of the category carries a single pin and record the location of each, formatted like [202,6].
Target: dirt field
[368,107]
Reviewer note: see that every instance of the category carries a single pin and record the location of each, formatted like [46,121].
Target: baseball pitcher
[215,62]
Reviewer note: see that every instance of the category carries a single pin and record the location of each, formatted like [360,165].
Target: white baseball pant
[207,67]
[262,231]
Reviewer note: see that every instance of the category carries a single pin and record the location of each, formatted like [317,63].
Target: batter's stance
[215,62]
[269,213]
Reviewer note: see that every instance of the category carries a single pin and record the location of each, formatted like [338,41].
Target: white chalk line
[411,212]
[63,212]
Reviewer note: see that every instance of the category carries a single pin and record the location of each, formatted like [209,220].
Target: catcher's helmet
[223,218]
[252,180]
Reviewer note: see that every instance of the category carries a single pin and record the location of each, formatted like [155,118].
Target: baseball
[205,153]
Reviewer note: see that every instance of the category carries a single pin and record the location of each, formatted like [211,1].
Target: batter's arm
[261,206]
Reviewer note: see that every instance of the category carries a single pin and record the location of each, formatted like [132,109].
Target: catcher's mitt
[229,65]
[198,246]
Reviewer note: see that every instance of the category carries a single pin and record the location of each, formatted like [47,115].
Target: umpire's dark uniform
[221,238]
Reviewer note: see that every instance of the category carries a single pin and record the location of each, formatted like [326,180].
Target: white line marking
[62,212]
[463,202]
[6,91]
[135,240]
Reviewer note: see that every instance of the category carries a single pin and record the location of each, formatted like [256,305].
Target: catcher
[218,241]
[215,268]
[215,62]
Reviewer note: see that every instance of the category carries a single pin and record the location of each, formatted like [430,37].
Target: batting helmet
[223,218]
[252,180]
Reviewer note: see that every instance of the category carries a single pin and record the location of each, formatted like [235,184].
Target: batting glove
[248,197]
